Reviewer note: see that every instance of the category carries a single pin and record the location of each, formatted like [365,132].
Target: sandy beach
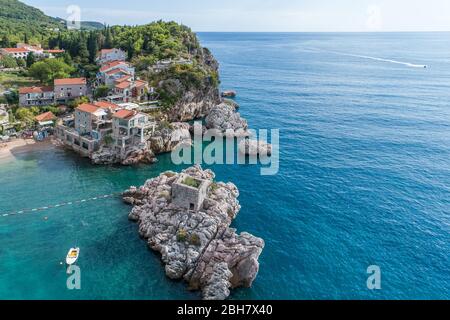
[9,150]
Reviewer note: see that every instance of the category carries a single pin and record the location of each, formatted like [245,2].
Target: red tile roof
[70,81]
[47,116]
[112,64]
[25,90]
[114,71]
[103,51]
[105,105]
[54,51]
[140,83]
[15,50]
[87,107]
[124,114]
[124,78]
[123,85]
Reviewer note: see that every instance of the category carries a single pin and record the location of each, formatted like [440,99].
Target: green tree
[83,52]
[108,39]
[31,59]
[12,97]
[21,62]
[26,115]
[75,103]
[8,62]
[49,69]
[101,92]
[5,42]
[92,46]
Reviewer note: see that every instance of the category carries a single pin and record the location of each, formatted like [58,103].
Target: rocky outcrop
[197,246]
[167,137]
[144,156]
[224,118]
[254,148]
[106,155]
[194,102]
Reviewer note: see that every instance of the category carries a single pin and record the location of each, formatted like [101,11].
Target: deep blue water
[364,180]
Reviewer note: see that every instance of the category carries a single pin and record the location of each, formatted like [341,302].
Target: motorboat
[72,256]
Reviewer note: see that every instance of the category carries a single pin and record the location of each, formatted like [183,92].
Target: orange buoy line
[59,205]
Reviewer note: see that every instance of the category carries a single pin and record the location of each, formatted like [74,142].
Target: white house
[114,70]
[36,96]
[107,55]
[15,52]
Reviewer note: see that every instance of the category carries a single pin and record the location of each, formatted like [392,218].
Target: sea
[363,180]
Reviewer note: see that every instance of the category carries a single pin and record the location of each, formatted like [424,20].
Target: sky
[265,15]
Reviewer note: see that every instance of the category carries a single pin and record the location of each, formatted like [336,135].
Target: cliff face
[197,246]
[195,102]
[166,139]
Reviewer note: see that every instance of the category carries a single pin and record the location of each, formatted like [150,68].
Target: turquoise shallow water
[364,179]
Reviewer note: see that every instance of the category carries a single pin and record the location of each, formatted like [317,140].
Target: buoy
[45,218]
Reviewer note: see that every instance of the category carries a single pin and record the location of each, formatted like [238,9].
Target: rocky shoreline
[197,246]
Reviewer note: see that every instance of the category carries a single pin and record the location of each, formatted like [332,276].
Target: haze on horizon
[265,15]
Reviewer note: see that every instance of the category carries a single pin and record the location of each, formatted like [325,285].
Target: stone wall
[188,197]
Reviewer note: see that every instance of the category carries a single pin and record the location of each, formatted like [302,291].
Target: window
[191,206]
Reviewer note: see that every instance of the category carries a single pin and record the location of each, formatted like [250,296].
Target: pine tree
[5,42]
[108,38]
[92,47]
[30,59]
[83,51]
[130,49]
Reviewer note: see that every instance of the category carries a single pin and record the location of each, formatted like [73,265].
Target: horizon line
[389,31]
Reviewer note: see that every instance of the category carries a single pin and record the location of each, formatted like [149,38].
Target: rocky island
[186,217]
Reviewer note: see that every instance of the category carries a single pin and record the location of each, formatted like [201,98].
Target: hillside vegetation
[19,22]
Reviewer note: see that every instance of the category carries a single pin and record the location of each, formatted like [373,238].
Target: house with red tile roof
[106,55]
[113,70]
[17,53]
[45,118]
[129,90]
[36,49]
[130,128]
[36,96]
[104,123]
[69,89]
[91,125]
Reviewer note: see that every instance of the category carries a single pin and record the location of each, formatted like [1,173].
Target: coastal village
[120,120]
[123,95]
[116,127]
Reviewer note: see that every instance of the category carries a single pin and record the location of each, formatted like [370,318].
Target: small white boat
[72,256]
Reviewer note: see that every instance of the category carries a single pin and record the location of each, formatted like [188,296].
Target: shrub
[214,186]
[101,92]
[195,240]
[181,235]
[191,182]
[170,174]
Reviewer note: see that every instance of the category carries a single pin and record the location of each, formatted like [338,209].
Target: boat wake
[408,64]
